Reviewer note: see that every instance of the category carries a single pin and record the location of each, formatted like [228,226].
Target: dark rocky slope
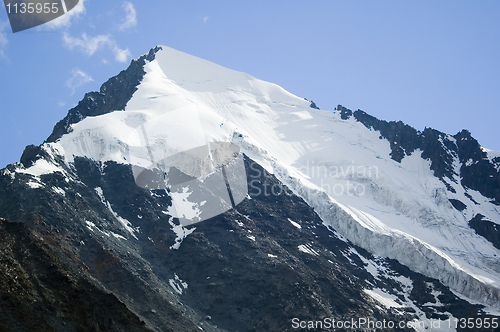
[38,292]
[249,269]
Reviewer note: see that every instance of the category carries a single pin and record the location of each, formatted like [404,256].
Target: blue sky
[427,63]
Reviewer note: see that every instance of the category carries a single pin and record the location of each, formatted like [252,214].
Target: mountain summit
[205,198]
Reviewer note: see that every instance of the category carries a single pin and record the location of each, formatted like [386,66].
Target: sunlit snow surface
[40,167]
[341,168]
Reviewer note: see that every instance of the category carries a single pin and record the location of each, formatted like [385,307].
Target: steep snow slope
[341,168]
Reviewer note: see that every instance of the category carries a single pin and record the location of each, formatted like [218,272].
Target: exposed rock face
[477,171]
[253,268]
[31,154]
[345,113]
[486,228]
[39,292]
[313,105]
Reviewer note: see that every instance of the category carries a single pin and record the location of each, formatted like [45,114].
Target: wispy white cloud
[86,44]
[66,19]
[90,45]
[77,79]
[205,19]
[121,55]
[130,18]
[3,38]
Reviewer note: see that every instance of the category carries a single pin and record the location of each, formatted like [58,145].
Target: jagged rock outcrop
[477,172]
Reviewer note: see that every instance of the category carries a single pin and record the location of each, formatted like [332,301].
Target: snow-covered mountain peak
[196,74]
[205,99]
[340,166]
